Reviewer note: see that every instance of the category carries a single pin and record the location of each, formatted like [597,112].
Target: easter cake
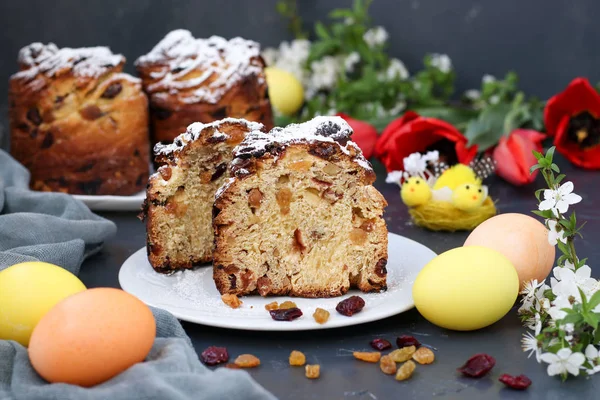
[299,215]
[180,195]
[77,122]
[203,80]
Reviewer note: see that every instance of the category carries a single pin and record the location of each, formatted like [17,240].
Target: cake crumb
[231,300]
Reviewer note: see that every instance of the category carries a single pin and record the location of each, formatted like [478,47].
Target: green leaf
[592,319]
[555,168]
[534,168]
[538,193]
[341,13]
[572,318]
[559,178]
[550,154]
[546,214]
[594,300]
[321,31]
[537,154]
[584,303]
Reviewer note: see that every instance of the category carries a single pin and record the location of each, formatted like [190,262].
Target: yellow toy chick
[415,191]
[455,176]
[468,197]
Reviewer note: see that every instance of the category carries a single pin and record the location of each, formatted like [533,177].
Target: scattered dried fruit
[287,304]
[387,365]
[380,344]
[403,354]
[272,306]
[320,315]
[406,341]
[231,300]
[405,371]
[214,355]
[520,382]
[312,371]
[423,355]
[350,306]
[297,358]
[288,314]
[232,366]
[247,361]
[478,365]
[368,356]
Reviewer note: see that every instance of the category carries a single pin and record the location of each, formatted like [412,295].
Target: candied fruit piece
[297,358]
[312,371]
[321,316]
[358,236]
[350,306]
[287,304]
[288,314]
[406,341]
[423,355]
[387,365]
[272,306]
[231,300]
[380,344]
[232,366]
[284,198]
[403,354]
[405,371]
[255,197]
[520,382]
[478,365]
[368,356]
[214,355]
[247,361]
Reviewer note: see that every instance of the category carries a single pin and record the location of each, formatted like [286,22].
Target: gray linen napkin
[59,229]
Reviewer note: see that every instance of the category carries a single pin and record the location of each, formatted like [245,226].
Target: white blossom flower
[556,310]
[441,62]
[472,94]
[396,70]
[534,323]
[554,235]
[529,343]
[569,265]
[591,353]
[324,73]
[397,109]
[351,60]
[563,361]
[568,282]
[375,36]
[558,200]
[529,287]
[394,177]
[414,164]
[494,99]
[270,55]
[487,78]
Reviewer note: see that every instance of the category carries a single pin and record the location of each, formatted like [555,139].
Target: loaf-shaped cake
[203,80]
[180,195]
[77,122]
[299,215]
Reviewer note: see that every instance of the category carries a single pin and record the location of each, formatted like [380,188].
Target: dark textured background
[548,42]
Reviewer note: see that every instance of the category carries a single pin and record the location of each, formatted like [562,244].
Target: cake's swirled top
[203,68]
[48,59]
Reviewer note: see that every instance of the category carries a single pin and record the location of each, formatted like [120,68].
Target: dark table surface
[342,377]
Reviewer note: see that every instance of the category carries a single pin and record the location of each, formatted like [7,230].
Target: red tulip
[514,157]
[365,135]
[573,118]
[412,133]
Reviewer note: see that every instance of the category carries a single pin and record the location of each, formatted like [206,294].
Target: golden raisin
[423,355]
[284,198]
[405,371]
[387,365]
[331,169]
[368,356]
[231,300]
[205,176]
[247,361]
[165,172]
[255,198]
[321,316]
[358,236]
[302,166]
[297,358]
[272,306]
[368,225]
[298,240]
[287,304]
[403,354]
[313,371]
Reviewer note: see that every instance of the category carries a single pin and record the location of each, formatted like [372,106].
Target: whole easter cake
[299,215]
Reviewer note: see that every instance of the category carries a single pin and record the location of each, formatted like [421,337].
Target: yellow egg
[27,292]
[522,239]
[466,288]
[285,91]
[92,336]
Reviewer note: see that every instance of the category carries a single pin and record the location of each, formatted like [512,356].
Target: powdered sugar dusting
[48,59]
[221,63]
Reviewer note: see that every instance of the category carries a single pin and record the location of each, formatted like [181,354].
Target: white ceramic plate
[192,295]
[113,203]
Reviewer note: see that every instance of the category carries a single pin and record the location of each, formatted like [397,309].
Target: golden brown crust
[79,132]
[187,83]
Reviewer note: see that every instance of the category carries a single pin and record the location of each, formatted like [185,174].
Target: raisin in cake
[77,122]
[299,215]
[203,80]
[180,195]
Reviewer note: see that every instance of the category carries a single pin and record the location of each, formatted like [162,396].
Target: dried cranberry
[287,314]
[350,306]
[214,355]
[520,382]
[478,365]
[407,341]
[380,344]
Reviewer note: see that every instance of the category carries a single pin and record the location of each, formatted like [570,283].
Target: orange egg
[520,238]
[91,336]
